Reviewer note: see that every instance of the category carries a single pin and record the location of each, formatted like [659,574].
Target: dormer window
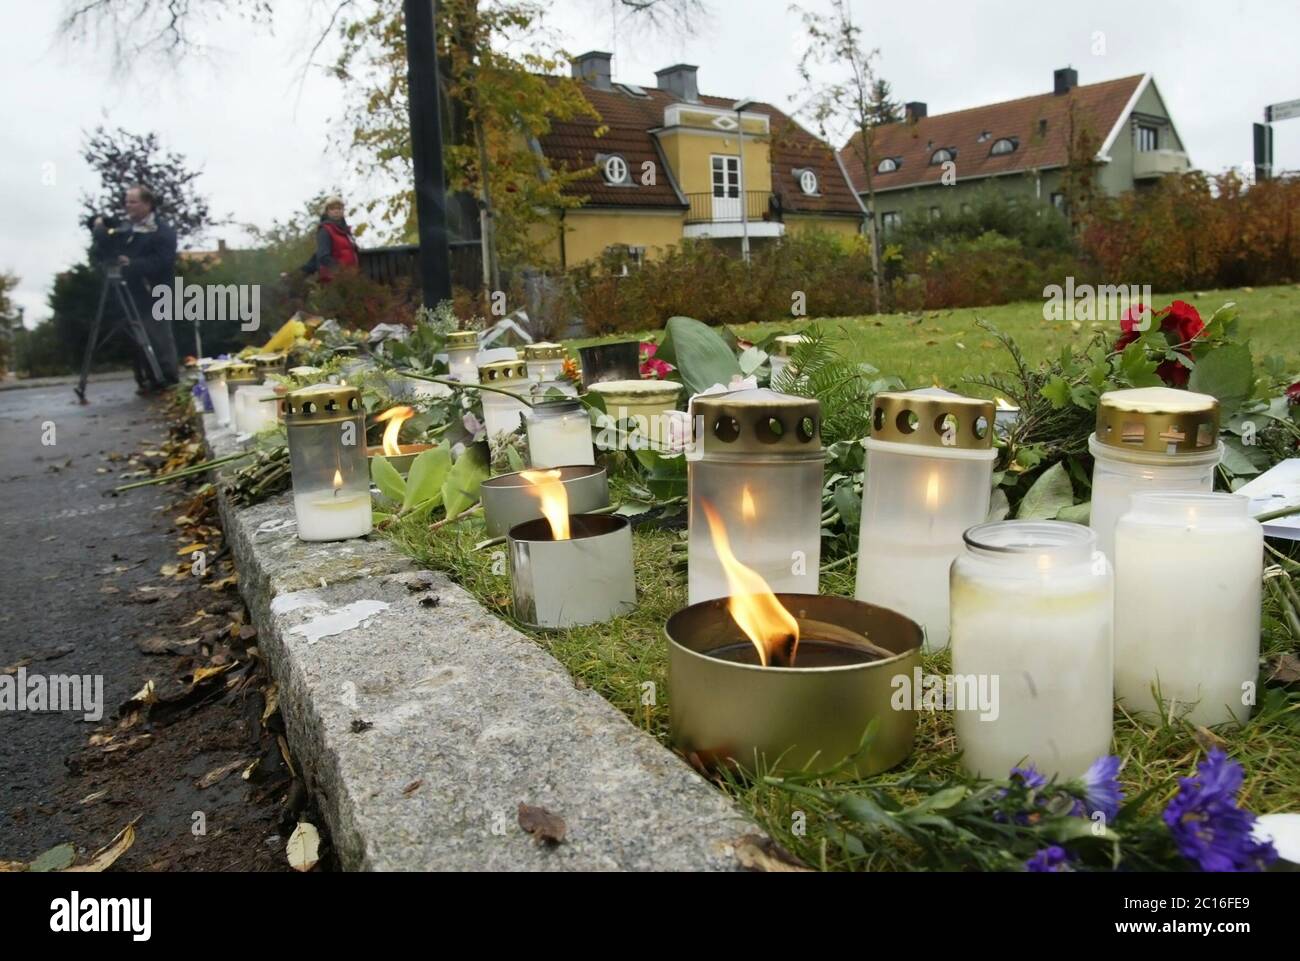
[983,137]
[943,155]
[615,170]
[1005,145]
[807,181]
[887,166]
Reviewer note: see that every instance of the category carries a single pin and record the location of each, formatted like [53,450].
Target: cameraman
[145,251]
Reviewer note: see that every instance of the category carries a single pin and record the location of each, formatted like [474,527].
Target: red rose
[1293,394]
[1129,323]
[1181,319]
[1173,373]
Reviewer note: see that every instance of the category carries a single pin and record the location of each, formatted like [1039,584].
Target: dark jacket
[153,259]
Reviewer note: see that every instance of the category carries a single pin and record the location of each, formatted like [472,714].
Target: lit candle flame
[546,486]
[932,492]
[747,510]
[338,482]
[755,609]
[396,417]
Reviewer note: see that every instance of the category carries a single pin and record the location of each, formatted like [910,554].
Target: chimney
[913,111]
[1064,80]
[679,80]
[593,67]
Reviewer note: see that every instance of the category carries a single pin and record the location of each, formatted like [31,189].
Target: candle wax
[326,517]
[811,653]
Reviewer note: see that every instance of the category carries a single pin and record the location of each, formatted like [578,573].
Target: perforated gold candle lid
[217,371]
[266,361]
[932,417]
[461,339]
[786,344]
[760,422]
[503,372]
[241,371]
[1160,420]
[321,404]
[544,351]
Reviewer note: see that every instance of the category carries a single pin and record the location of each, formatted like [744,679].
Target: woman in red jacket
[335,248]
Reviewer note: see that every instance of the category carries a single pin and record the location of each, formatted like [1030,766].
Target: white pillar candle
[1032,612]
[462,356]
[220,399]
[326,516]
[929,476]
[1149,438]
[1187,605]
[559,434]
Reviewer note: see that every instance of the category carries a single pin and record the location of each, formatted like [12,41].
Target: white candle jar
[783,349]
[264,365]
[1149,438]
[1031,614]
[545,362]
[559,434]
[1187,605]
[215,377]
[239,374]
[757,461]
[325,424]
[502,413]
[255,408]
[462,356]
[929,478]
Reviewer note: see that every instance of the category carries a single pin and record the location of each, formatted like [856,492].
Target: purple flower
[1206,823]
[1101,786]
[1033,780]
[1054,859]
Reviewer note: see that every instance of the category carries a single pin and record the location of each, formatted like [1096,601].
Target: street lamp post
[739,107]
[426,150]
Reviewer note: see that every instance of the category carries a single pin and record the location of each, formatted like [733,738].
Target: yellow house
[674,164]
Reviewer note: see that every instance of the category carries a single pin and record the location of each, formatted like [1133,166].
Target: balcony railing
[707,209]
[1157,163]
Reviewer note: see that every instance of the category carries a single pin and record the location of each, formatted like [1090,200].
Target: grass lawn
[945,347]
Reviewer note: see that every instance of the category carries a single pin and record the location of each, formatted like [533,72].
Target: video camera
[109,238]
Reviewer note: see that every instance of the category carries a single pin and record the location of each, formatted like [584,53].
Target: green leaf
[1057,391]
[55,859]
[699,352]
[1237,459]
[424,479]
[849,503]
[1226,373]
[1075,513]
[386,478]
[939,800]
[379,517]
[1050,493]
[460,489]
[1136,369]
[751,360]
[516,461]
[999,507]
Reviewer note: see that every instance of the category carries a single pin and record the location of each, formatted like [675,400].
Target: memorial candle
[1032,613]
[327,453]
[1187,605]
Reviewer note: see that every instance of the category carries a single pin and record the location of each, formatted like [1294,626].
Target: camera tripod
[132,322]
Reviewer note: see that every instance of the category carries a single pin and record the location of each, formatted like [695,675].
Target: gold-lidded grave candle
[325,424]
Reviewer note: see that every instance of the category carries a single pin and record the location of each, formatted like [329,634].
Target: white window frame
[882,169]
[995,152]
[1142,130]
[613,162]
[808,182]
[890,220]
[948,155]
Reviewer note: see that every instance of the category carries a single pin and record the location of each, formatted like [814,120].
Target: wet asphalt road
[60,542]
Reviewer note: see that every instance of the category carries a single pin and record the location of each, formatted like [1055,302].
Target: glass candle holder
[1032,613]
[239,374]
[325,424]
[757,461]
[929,478]
[545,362]
[618,361]
[559,434]
[462,356]
[255,408]
[503,414]
[1149,438]
[215,376]
[643,402]
[264,365]
[783,349]
[1187,604]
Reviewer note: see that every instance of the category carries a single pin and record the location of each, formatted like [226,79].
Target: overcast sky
[259,131]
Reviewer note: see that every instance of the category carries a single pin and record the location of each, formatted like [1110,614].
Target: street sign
[1282,111]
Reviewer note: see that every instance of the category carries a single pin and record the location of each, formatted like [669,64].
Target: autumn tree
[849,105]
[121,159]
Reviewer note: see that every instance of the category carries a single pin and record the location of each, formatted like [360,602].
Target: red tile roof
[573,144]
[1098,107]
